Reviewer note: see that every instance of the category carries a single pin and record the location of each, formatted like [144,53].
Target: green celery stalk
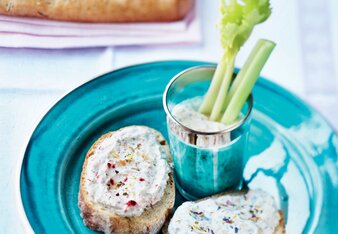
[210,97]
[219,103]
[238,18]
[246,79]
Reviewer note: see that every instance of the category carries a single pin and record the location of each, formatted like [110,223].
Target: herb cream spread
[254,212]
[128,171]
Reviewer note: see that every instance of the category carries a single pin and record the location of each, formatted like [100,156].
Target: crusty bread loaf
[99,218]
[279,229]
[99,11]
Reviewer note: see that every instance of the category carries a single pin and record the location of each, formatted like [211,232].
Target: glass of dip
[208,156]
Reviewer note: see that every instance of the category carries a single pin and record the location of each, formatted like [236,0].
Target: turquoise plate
[293,149]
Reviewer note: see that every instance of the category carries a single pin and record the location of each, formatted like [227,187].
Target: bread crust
[280,229]
[99,219]
[99,11]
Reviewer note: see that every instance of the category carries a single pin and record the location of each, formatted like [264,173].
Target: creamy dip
[128,172]
[187,114]
[254,212]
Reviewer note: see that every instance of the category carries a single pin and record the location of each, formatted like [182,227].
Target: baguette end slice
[152,219]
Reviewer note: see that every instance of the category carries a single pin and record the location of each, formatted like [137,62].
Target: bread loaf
[99,10]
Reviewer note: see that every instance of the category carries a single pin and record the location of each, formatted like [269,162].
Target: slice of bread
[101,218]
[198,220]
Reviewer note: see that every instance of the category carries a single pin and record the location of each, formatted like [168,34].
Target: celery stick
[238,18]
[210,97]
[238,80]
[222,93]
[247,78]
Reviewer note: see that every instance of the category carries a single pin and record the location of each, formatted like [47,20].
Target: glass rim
[229,128]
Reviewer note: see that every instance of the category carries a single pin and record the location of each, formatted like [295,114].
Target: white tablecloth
[304,61]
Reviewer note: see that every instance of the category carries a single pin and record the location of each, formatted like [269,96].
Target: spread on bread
[128,171]
[253,212]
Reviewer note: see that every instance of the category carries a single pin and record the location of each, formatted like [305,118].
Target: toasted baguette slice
[200,221]
[102,219]
[99,11]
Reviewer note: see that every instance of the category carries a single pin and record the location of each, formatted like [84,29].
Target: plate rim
[23,219]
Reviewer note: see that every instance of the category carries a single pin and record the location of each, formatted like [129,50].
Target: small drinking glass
[205,163]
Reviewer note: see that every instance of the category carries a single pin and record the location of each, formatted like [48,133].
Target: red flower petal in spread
[125,179]
[111,181]
[141,179]
[111,165]
[131,203]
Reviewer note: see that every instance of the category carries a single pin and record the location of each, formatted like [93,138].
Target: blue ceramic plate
[293,150]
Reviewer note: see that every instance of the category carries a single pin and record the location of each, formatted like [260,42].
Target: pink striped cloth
[40,33]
